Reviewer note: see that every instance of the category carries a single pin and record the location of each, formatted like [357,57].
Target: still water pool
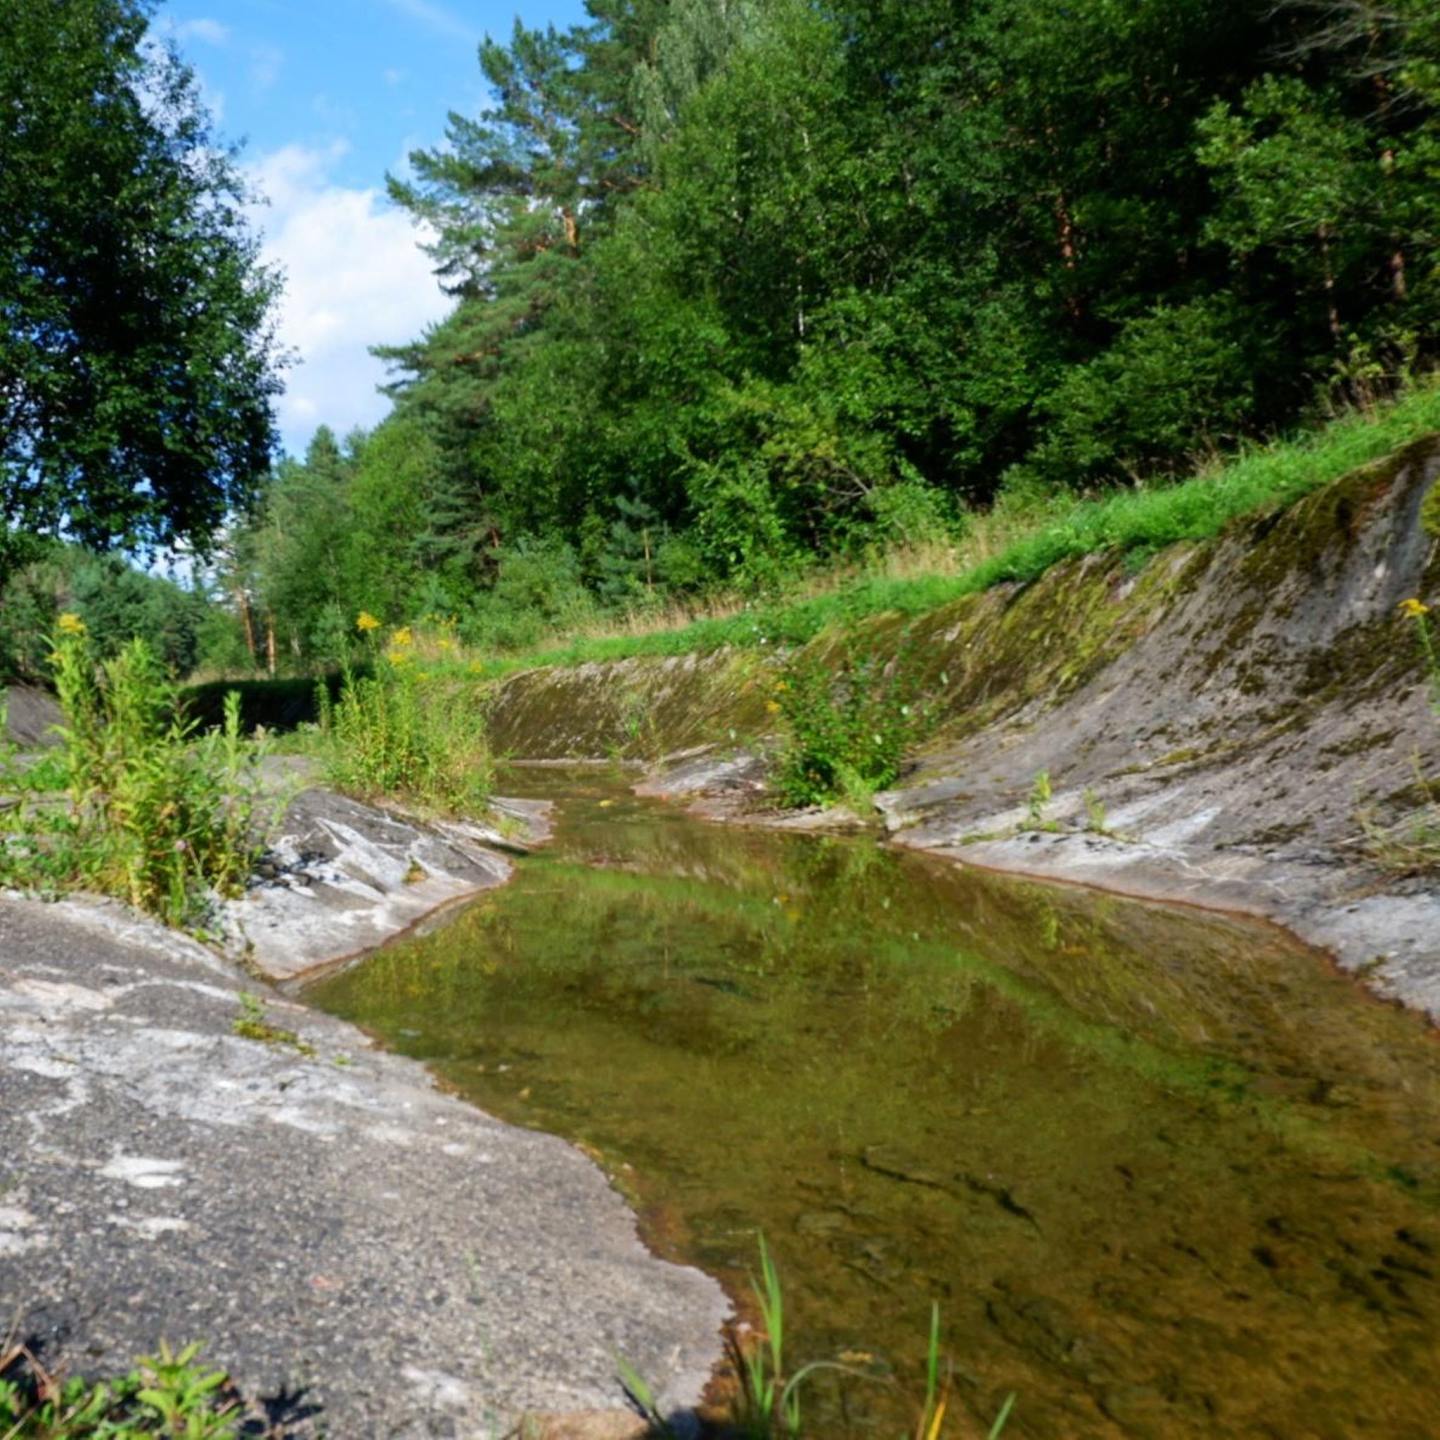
[1167,1173]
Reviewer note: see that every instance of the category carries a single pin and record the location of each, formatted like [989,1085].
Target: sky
[328,96]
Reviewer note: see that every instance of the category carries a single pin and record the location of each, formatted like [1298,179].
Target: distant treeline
[744,283]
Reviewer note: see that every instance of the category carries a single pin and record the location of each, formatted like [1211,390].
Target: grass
[1018,544]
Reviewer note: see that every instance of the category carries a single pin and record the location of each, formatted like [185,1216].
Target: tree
[137,352]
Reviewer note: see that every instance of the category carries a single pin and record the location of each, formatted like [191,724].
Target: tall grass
[156,813]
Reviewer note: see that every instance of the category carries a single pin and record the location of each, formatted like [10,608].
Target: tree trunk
[270,643]
[1069,254]
[1327,276]
[242,600]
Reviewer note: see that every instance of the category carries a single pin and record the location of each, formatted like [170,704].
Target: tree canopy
[137,355]
[740,283]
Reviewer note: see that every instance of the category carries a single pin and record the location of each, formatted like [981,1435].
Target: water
[1166,1173]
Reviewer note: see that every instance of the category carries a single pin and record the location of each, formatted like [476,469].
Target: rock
[343,877]
[335,1229]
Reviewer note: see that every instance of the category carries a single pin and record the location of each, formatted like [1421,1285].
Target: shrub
[405,732]
[1174,382]
[847,727]
[157,815]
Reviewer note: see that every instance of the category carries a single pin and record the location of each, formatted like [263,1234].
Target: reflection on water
[1167,1174]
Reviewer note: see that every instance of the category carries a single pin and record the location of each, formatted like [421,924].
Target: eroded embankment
[1238,706]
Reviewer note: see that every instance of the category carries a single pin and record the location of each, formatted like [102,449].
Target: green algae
[1151,1164]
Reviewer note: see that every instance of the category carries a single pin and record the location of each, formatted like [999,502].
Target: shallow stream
[1166,1172]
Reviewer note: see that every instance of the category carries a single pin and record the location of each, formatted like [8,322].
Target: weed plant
[167,1394]
[406,732]
[846,728]
[152,812]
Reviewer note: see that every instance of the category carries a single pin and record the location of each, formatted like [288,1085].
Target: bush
[156,815]
[538,591]
[405,733]
[1173,384]
[847,727]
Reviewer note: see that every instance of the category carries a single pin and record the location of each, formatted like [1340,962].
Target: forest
[748,289]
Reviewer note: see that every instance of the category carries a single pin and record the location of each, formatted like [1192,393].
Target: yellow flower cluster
[365,622]
[70,624]
[1413,609]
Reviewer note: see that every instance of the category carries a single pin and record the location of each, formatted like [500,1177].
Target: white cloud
[209,32]
[437,18]
[265,62]
[354,277]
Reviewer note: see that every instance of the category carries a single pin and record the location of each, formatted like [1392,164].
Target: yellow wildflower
[1414,609]
[773,706]
[71,624]
[366,622]
[402,638]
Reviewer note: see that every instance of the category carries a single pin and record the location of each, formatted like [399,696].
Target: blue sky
[328,95]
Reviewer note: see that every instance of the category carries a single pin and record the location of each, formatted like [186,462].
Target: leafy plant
[1095,813]
[1416,610]
[405,732]
[847,727]
[168,1394]
[157,814]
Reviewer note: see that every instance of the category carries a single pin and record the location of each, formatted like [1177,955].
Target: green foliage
[744,289]
[1175,383]
[117,602]
[1051,531]
[137,360]
[1095,815]
[538,591]
[168,1394]
[405,733]
[846,728]
[157,814]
